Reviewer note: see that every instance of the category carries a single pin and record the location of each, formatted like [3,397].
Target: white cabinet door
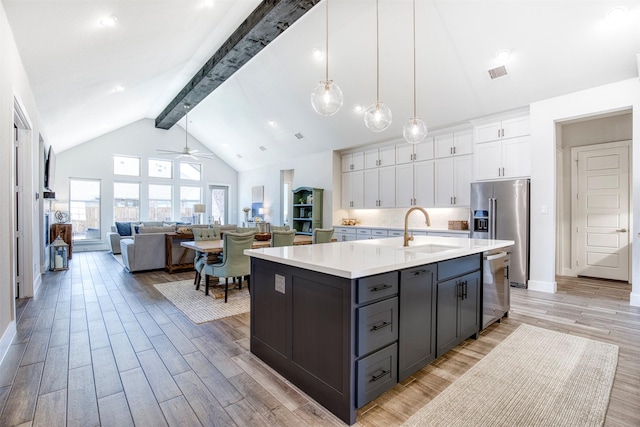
[488,132]
[423,150]
[371,158]
[346,163]
[488,160]
[516,157]
[518,126]
[353,190]
[444,182]
[352,162]
[463,175]
[371,188]
[423,184]
[387,187]
[404,153]
[463,142]
[404,185]
[387,156]
[443,145]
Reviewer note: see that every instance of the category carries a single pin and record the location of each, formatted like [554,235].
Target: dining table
[215,246]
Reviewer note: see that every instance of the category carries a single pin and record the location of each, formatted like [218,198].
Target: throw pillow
[123,228]
[135,228]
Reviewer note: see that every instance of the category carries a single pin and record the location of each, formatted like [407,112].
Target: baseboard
[634,300]
[7,339]
[550,287]
[36,284]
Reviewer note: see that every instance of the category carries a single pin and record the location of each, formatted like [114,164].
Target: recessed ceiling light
[616,14]
[271,123]
[225,145]
[208,3]
[503,55]
[109,21]
[117,88]
[358,108]
[317,53]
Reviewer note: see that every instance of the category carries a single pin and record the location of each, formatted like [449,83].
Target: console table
[180,265]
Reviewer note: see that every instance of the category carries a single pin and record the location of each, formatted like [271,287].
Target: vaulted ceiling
[75,64]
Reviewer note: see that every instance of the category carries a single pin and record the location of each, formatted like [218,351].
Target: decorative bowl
[262,236]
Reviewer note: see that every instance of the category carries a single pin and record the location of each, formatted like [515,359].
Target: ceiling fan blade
[168,151]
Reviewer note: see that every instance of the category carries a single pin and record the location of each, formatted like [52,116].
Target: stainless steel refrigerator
[500,210]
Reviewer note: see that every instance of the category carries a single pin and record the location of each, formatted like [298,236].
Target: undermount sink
[430,248]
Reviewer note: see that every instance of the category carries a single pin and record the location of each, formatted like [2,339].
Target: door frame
[574,198]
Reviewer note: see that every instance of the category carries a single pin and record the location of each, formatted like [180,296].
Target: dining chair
[322,235]
[234,264]
[246,229]
[202,258]
[280,228]
[282,238]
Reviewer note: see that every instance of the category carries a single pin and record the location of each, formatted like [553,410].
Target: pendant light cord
[414,59]
[327,43]
[377,55]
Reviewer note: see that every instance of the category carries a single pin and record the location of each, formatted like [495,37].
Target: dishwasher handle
[496,256]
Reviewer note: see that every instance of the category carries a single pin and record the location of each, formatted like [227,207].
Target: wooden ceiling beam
[270,19]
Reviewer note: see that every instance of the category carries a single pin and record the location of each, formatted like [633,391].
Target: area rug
[201,308]
[535,377]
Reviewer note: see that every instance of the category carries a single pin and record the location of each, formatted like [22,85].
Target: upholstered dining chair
[279,228]
[322,235]
[235,263]
[282,238]
[246,229]
[202,258]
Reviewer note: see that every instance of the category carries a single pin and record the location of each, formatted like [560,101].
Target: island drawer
[377,373]
[373,288]
[458,266]
[377,325]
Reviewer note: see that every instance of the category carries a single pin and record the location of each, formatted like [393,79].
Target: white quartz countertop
[362,258]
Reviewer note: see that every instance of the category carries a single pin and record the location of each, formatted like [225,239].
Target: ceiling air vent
[500,71]
[299,135]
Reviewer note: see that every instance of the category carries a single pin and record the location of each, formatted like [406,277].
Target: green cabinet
[306,210]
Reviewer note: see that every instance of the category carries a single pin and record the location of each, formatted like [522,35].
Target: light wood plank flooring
[100,346]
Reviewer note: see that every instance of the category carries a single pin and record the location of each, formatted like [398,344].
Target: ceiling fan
[186,151]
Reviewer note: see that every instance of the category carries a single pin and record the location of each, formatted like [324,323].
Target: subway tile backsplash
[394,218]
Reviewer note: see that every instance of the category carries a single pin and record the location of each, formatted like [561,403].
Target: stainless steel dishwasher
[495,290]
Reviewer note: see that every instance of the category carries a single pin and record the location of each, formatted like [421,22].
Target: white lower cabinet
[453,177]
[380,187]
[344,234]
[414,184]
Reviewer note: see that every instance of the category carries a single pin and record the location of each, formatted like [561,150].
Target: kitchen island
[346,321]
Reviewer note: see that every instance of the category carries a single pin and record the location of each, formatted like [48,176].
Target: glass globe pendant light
[415,130]
[377,116]
[326,99]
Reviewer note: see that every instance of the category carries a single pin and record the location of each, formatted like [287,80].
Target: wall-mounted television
[50,169]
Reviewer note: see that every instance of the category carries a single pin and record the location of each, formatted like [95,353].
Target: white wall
[14,85]
[94,159]
[544,117]
[314,170]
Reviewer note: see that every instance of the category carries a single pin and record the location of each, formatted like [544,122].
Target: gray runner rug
[535,377]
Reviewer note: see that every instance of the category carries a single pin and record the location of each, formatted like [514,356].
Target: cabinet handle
[454,150]
[377,377]
[420,272]
[499,172]
[450,200]
[464,290]
[380,326]
[454,200]
[498,133]
[379,288]
[502,171]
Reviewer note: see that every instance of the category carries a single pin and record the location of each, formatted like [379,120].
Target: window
[160,168]
[219,203]
[191,171]
[129,166]
[84,208]
[160,202]
[126,201]
[189,196]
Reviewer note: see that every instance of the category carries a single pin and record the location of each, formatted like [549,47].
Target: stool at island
[58,255]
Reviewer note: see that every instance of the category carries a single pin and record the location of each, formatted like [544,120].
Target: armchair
[201,258]
[322,235]
[282,238]
[235,263]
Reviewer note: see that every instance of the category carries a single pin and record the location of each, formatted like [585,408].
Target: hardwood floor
[100,346]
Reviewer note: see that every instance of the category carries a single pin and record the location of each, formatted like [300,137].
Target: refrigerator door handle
[492,218]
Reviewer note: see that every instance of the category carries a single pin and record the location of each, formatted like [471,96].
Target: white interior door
[603,211]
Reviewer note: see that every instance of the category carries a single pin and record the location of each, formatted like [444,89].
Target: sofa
[127,229]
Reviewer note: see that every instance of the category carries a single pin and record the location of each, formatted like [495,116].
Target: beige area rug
[535,377]
[201,308]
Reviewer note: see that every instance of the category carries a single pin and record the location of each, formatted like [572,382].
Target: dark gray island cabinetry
[347,321]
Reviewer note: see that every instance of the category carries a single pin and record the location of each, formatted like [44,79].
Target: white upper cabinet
[408,153]
[352,190]
[380,187]
[379,157]
[454,144]
[415,185]
[453,177]
[503,129]
[352,162]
